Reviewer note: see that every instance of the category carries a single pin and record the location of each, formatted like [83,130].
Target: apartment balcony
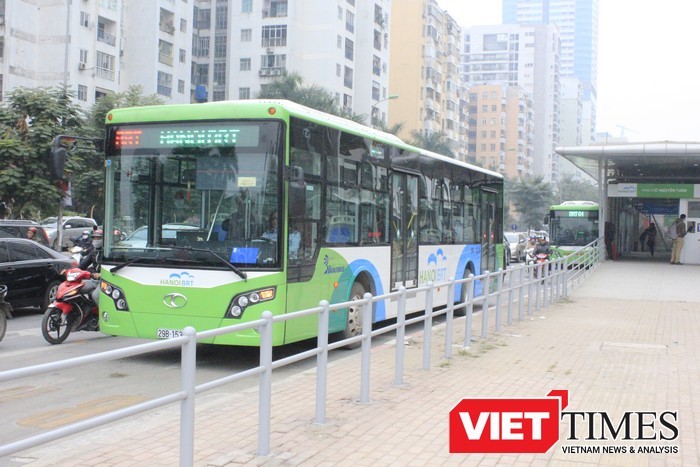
[104,73]
[167,27]
[165,58]
[106,38]
[164,90]
[271,72]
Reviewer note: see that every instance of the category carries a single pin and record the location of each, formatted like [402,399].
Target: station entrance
[644,183]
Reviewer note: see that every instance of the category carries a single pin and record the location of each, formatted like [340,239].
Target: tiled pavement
[626,340]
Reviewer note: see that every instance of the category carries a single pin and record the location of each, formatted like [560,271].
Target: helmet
[32,229]
[85,232]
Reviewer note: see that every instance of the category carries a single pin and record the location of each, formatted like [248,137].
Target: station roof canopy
[661,162]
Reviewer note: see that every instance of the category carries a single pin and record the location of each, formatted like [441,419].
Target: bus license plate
[169,333]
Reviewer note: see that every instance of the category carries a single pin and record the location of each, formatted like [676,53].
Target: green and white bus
[245,206]
[572,225]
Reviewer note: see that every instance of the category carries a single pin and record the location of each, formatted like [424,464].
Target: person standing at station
[609,236]
[649,235]
[678,241]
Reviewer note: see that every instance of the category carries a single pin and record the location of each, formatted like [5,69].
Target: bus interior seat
[341,229]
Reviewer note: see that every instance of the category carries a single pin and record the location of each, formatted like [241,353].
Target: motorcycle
[5,311]
[539,260]
[75,307]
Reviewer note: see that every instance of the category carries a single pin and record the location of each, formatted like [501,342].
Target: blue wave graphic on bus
[347,278]
[470,254]
[434,257]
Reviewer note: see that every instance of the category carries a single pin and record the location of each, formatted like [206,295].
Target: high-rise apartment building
[425,74]
[577,21]
[526,56]
[343,47]
[97,46]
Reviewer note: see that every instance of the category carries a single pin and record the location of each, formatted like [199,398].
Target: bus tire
[463,295]
[353,325]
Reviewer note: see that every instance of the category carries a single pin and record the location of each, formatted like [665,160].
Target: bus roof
[259,108]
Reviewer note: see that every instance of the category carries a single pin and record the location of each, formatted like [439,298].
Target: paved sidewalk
[626,340]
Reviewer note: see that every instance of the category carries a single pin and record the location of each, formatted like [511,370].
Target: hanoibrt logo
[331,269]
[532,425]
[183,279]
[436,269]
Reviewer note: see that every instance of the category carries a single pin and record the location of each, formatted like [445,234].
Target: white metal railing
[530,287]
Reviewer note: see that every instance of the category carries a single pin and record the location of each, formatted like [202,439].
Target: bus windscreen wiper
[131,261]
[233,268]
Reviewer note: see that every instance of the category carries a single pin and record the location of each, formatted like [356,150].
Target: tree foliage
[574,189]
[531,198]
[29,121]
[433,141]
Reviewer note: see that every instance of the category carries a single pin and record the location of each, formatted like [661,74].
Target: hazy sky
[648,66]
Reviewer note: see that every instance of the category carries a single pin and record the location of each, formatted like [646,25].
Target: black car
[18,229]
[31,272]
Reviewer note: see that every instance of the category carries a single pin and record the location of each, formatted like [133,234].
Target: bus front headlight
[241,301]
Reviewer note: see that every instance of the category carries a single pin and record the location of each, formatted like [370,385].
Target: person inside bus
[271,232]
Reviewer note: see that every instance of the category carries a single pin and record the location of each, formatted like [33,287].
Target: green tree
[432,141]
[29,121]
[394,129]
[574,189]
[531,198]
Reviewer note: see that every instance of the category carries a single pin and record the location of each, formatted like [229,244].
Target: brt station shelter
[640,183]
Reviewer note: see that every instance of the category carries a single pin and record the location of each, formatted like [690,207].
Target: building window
[201,46]
[340,13]
[219,73]
[183,55]
[244,93]
[85,19]
[202,18]
[246,6]
[83,55]
[376,66]
[82,92]
[377,40]
[220,46]
[165,84]
[349,49]
[274,36]
[347,80]
[246,35]
[375,91]
[340,42]
[338,69]
[273,61]
[104,65]
[221,16]
[183,25]
[245,64]
[350,21]
[201,74]
[218,95]
[165,52]
[181,86]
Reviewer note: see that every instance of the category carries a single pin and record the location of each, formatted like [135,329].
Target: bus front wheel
[353,326]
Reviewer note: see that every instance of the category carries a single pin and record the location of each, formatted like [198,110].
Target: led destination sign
[191,135]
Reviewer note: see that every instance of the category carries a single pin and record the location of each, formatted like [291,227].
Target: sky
[648,70]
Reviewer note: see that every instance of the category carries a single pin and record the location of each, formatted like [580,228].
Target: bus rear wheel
[353,326]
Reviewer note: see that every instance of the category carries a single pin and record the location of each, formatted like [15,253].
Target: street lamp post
[374,106]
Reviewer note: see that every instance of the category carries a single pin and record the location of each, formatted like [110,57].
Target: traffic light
[57,160]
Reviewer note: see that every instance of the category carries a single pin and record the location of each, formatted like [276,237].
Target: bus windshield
[182,191]
[573,227]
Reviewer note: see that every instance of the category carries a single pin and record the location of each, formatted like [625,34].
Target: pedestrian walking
[609,236]
[649,235]
[680,232]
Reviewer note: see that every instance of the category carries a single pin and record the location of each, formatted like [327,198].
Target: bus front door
[404,236]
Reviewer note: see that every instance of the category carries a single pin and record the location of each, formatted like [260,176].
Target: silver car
[518,244]
[72,227]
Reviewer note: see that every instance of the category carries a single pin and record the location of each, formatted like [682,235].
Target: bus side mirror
[297,191]
[546,220]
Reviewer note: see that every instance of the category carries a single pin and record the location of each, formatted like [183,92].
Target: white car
[139,237]
[518,244]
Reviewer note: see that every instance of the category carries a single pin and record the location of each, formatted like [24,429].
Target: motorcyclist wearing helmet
[91,255]
[84,241]
[543,247]
[31,234]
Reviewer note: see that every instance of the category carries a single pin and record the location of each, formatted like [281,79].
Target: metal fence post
[188,381]
[499,298]
[366,347]
[449,317]
[531,280]
[428,327]
[400,336]
[470,311]
[322,362]
[521,291]
[565,286]
[510,297]
[265,389]
[485,306]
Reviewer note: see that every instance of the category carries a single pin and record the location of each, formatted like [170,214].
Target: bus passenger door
[488,230]
[404,237]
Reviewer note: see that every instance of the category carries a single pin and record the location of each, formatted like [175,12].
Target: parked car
[518,245]
[18,229]
[139,237]
[506,252]
[73,226]
[31,272]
